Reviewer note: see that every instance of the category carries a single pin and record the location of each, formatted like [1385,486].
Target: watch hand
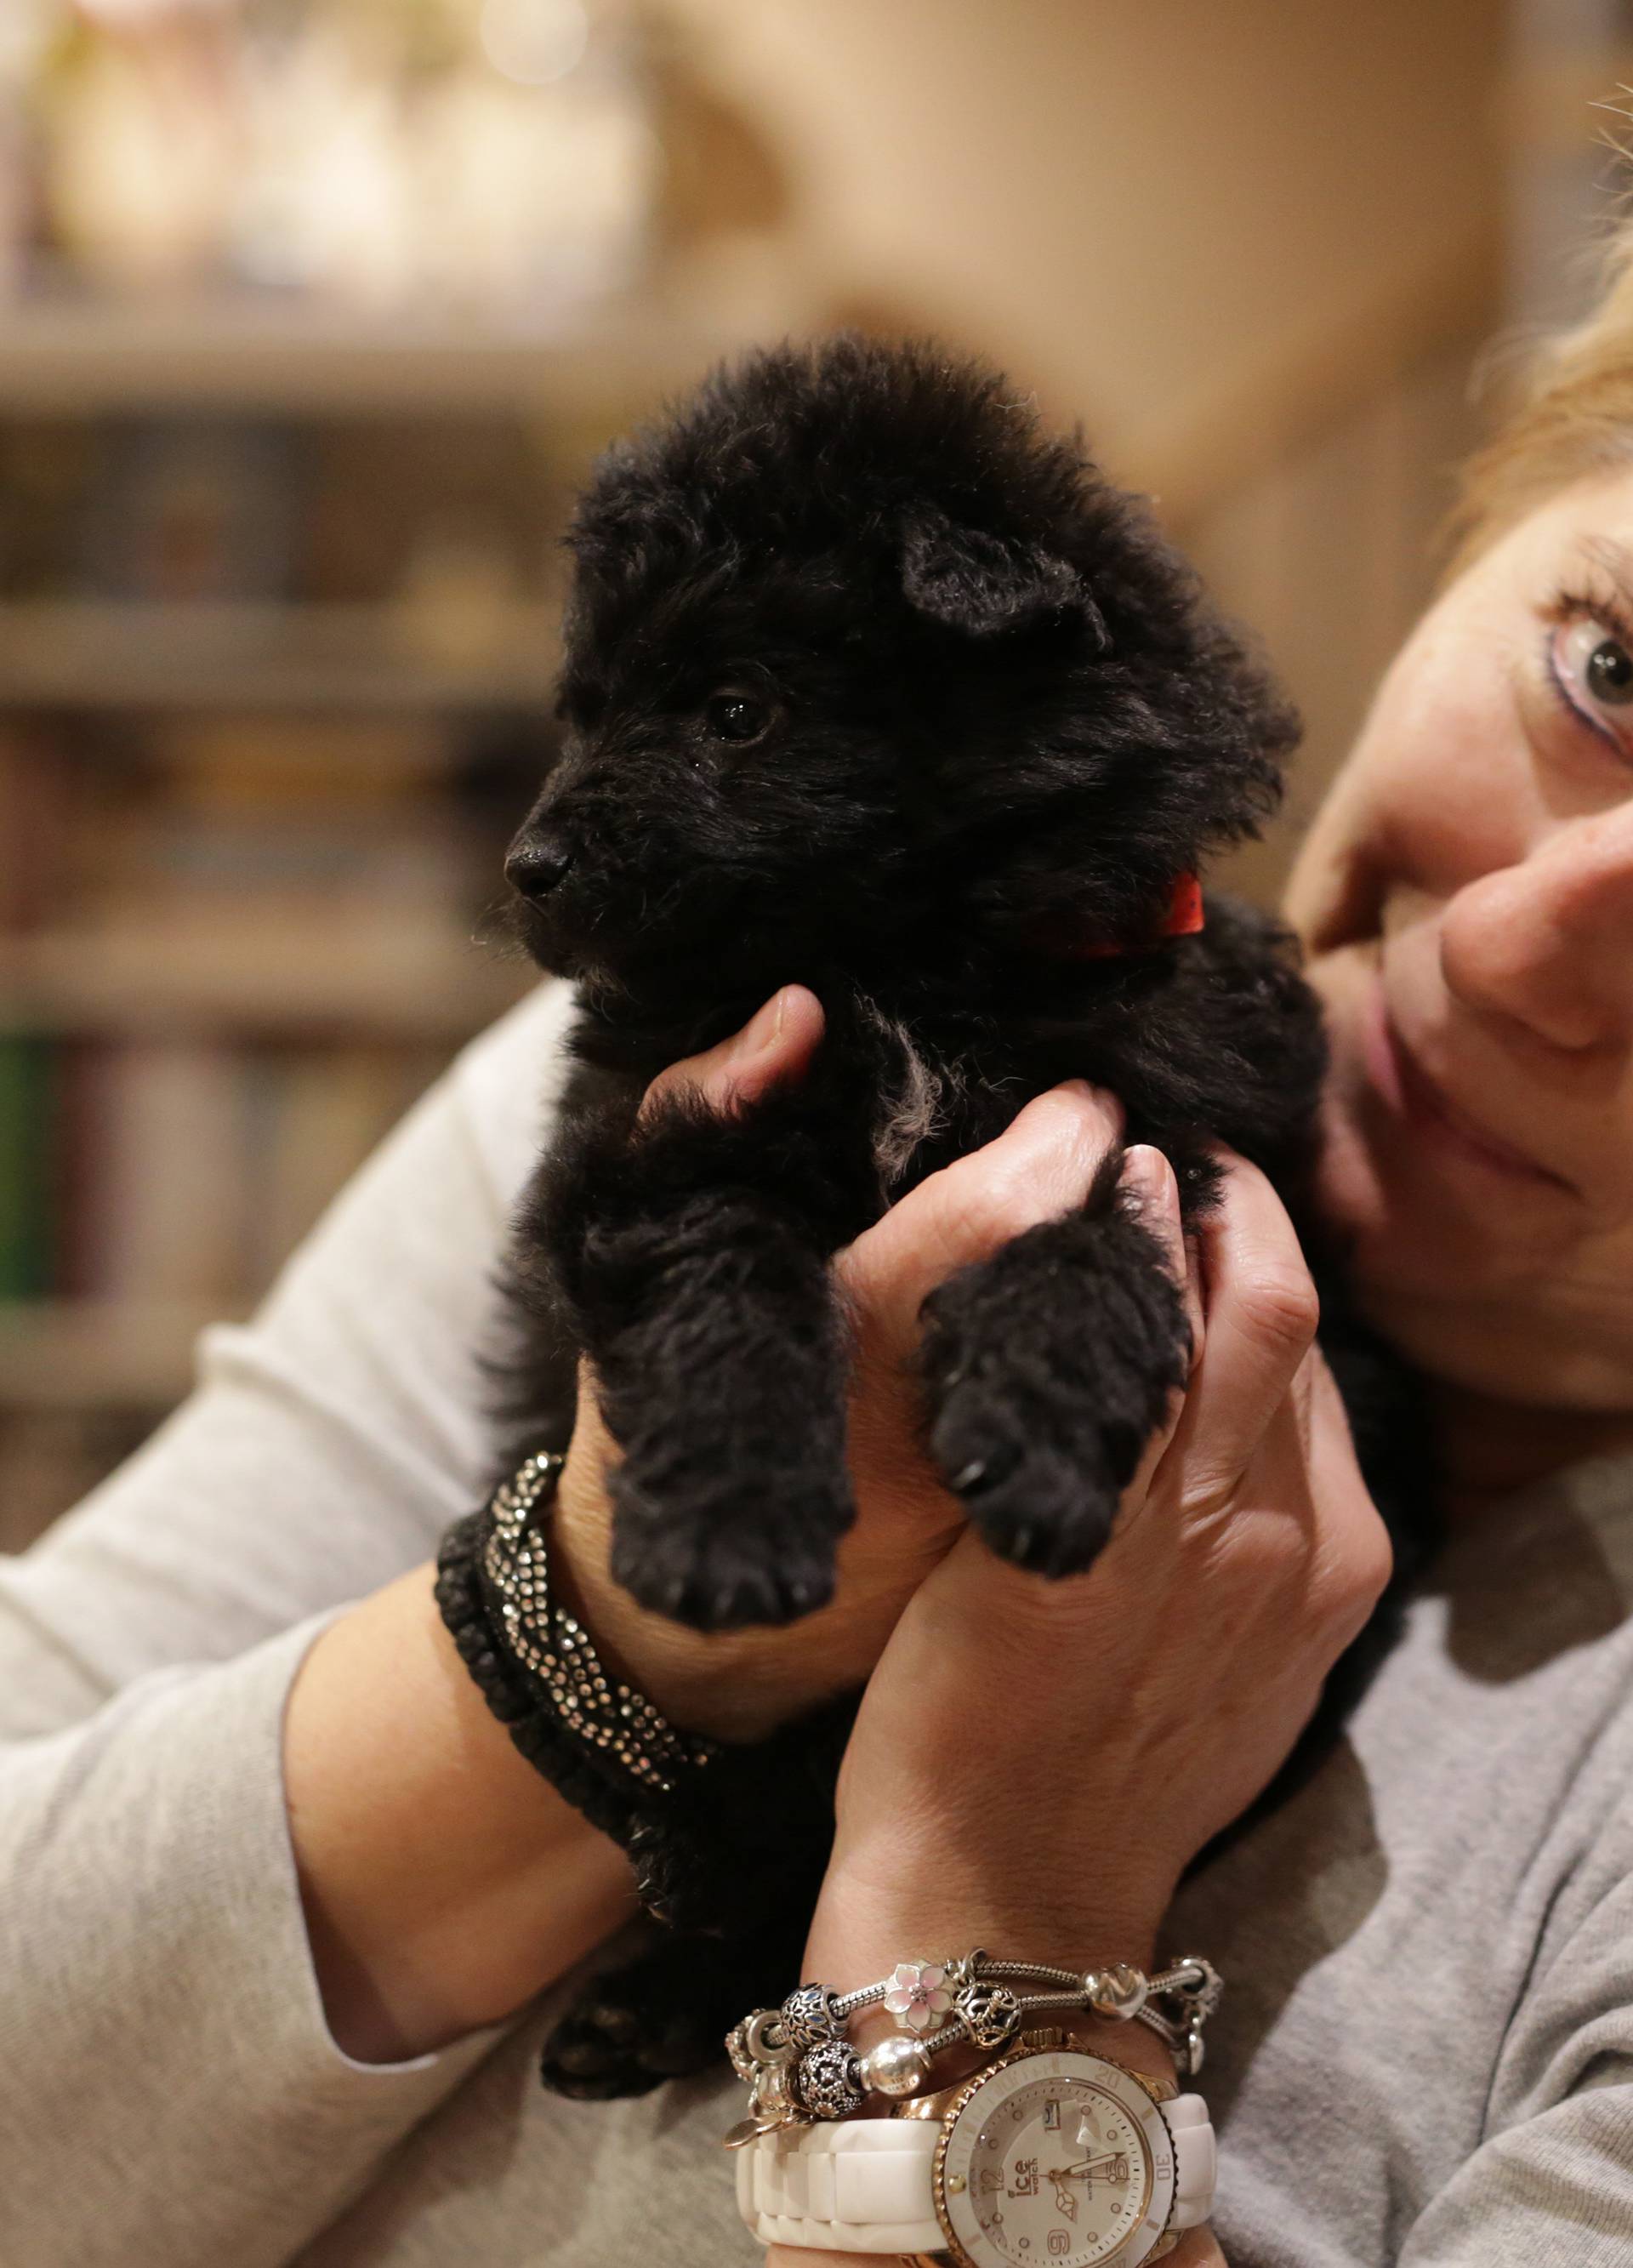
[1082,2165]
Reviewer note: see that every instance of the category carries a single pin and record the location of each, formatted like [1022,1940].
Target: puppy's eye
[739,717]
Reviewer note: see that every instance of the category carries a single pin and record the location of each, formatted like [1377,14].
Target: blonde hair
[1569,414]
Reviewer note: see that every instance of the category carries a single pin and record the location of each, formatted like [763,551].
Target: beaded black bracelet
[520,1696]
[617,1727]
[711,1827]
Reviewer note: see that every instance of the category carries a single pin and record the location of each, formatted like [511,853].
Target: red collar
[1182,916]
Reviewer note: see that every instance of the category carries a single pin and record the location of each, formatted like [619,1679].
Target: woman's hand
[1035,1764]
[741,1684]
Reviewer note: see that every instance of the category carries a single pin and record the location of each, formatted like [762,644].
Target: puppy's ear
[986,585]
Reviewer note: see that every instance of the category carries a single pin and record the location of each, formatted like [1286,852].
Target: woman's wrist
[877,1907]
[443,1883]
[863,1926]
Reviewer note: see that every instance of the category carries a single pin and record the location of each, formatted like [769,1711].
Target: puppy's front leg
[695,1258]
[1049,1367]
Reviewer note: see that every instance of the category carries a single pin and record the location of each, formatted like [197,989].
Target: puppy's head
[856,652]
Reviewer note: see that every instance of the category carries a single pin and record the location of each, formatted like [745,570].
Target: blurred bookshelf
[277,641]
[63,1357]
[66,351]
[87,654]
[278,607]
[312,315]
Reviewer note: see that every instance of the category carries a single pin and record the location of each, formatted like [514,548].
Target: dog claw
[709,1566]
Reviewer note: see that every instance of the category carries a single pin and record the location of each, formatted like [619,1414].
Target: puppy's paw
[1049,1367]
[1041,1499]
[742,1548]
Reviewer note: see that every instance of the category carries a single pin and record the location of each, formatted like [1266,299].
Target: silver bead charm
[1118,1992]
[991,2012]
[808,2016]
[773,2098]
[825,2081]
[897,2065]
[765,2039]
[737,2047]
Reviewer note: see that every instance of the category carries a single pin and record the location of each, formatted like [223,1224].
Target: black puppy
[872,685]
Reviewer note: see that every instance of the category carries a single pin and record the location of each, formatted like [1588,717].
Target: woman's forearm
[444,1882]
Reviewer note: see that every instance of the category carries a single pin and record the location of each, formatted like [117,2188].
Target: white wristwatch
[1052,2157]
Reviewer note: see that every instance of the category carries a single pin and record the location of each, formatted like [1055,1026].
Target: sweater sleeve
[169,2090]
[1551,2183]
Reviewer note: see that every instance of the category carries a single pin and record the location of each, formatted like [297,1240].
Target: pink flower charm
[917,1993]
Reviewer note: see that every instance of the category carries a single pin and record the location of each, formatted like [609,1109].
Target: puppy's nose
[537,862]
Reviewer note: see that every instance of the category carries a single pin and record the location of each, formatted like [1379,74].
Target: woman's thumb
[776,1043]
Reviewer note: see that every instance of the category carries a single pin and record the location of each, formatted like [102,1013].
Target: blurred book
[309,1122]
[191,1171]
[51,1458]
[29,1212]
[49,469]
[38,787]
[251,829]
[159,1152]
[195,509]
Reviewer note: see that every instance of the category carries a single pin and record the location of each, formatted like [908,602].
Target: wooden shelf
[78,1355]
[378,984]
[84,654]
[71,356]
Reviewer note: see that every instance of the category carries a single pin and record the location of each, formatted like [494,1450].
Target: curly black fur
[872,684]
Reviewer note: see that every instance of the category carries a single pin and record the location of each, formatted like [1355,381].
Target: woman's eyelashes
[1588,657]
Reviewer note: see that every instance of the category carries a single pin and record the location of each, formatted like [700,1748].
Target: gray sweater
[1425,2055]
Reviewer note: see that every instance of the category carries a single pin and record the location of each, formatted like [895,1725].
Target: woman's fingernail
[1104,1100]
[761,1029]
[1148,1179]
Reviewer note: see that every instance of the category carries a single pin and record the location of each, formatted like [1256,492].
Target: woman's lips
[1413,1098]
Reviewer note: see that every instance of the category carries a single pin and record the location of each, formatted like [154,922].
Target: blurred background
[312,314]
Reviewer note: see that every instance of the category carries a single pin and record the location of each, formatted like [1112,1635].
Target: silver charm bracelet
[800,2066]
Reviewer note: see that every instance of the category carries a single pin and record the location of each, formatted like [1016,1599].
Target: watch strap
[854,2185]
[864,2185]
[1193,2160]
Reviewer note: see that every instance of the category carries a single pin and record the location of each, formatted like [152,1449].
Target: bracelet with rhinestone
[711,1829]
[800,2066]
[604,1746]
[603,1711]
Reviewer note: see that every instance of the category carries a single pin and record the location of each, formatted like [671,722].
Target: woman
[280,1898]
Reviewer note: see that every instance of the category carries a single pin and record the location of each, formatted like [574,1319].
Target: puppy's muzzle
[538,862]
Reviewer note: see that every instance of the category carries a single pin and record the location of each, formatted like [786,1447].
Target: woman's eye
[1593,666]
[736,717]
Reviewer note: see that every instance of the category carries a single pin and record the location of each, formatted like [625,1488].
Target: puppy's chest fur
[1220,1038]
[921,1097]
[920,1102]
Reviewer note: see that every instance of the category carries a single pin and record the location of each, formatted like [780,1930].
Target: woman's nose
[1549,941]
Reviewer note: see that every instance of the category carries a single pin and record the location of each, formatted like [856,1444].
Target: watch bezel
[1130,2087]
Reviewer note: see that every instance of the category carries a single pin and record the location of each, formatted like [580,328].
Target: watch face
[1054,2160]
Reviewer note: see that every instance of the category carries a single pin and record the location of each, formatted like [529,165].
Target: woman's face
[1466,897]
